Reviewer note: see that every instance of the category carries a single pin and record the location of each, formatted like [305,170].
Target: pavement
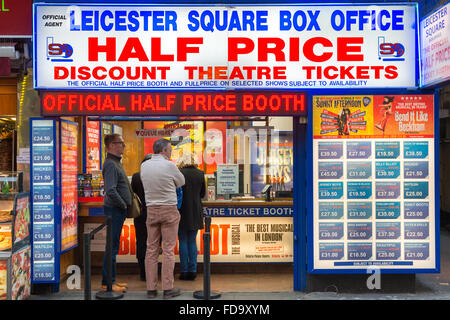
[428,287]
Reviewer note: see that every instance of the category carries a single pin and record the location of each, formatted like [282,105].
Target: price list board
[373,180]
[43,195]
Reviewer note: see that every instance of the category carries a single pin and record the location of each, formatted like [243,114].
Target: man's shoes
[171,293]
[191,276]
[115,288]
[183,276]
[152,294]
[122,284]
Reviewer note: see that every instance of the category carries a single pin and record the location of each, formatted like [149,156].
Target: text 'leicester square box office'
[362,136]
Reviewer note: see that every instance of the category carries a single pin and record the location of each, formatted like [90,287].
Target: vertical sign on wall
[69,188]
[43,194]
[92,146]
[373,183]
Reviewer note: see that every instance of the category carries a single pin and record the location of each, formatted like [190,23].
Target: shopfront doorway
[252,232]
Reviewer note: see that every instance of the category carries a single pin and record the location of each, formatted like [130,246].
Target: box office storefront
[309,100]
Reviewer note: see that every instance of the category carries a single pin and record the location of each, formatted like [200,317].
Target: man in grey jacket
[116,200]
[160,178]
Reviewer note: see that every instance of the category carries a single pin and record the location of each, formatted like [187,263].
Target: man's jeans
[188,250]
[118,218]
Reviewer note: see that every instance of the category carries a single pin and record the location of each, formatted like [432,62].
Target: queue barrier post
[206,293]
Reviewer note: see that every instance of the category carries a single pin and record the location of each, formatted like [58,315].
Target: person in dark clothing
[115,202]
[140,222]
[191,217]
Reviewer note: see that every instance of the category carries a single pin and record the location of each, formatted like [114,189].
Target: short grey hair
[160,145]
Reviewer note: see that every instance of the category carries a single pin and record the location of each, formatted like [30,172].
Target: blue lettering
[234,22]
[120,21]
[303,18]
[86,20]
[340,14]
[103,17]
[207,26]
[171,20]
[146,15]
[133,25]
[351,19]
[73,26]
[363,18]
[223,26]
[193,18]
[248,17]
[397,20]
[313,23]
[383,27]
[158,20]
[285,20]
[261,20]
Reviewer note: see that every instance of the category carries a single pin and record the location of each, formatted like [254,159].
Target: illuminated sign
[435,46]
[163,103]
[111,47]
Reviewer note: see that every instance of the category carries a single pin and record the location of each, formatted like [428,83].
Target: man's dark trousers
[118,218]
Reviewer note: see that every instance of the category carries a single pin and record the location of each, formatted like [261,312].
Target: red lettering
[58,75]
[133,50]
[234,48]
[345,46]
[156,51]
[264,49]
[183,49]
[94,48]
[49,102]
[308,49]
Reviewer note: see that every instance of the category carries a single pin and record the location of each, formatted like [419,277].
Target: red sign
[163,104]
[15,18]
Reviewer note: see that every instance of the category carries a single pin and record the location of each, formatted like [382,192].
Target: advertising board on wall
[373,183]
[435,46]
[111,47]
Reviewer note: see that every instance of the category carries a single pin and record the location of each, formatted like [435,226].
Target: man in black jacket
[116,200]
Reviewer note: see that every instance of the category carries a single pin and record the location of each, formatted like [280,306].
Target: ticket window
[239,157]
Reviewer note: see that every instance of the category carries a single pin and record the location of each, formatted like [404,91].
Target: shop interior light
[22,95]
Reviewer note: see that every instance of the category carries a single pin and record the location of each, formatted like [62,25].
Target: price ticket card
[43,155]
[330,170]
[43,194]
[359,149]
[417,251]
[330,150]
[416,230]
[331,231]
[387,190]
[43,232]
[415,169]
[416,210]
[359,170]
[331,251]
[43,271]
[387,169]
[42,213]
[387,150]
[359,190]
[42,134]
[43,174]
[359,210]
[43,251]
[388,230]
[331,190]
[359,251]
[388,251]
[359,230]
[387,210]
[415,150]
[415,190]
[331,210]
